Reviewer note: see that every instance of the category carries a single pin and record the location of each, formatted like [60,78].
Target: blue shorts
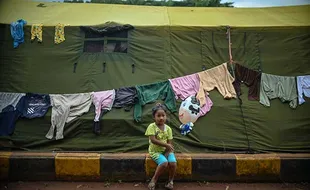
[162,159]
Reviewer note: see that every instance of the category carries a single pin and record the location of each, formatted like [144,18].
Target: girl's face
[160,117]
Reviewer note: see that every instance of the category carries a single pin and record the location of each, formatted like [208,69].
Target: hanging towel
[8,117]
[150,93]
[125,97]
[59,33]
[186,86]
[17,32]
[248,77]
[65,108]
[216,77]
[35,105]
[7,98]
[303,87]
[282,87]
[36,32]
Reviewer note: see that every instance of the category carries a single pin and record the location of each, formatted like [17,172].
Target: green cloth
[150,93]
[161,135]
[281,87]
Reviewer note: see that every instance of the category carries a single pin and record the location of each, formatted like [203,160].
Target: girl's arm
[168,146]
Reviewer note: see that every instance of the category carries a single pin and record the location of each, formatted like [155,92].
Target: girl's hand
[169,148]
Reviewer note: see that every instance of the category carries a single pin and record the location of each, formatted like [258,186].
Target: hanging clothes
[65,108]
[150,93]
[125,97]
[8,98]
[36,32]
[59,34]
[186,86]
[103,102]
[216,77]
[282,87]
[303,87]
[35,105]
[248,77]
[17,32]
[9,115]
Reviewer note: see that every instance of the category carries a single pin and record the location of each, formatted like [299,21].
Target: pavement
[129,167]
[143,186]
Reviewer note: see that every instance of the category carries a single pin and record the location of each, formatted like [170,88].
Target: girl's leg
[172,170]
[162,164]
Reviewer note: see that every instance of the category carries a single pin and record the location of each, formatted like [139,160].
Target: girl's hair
[158,106]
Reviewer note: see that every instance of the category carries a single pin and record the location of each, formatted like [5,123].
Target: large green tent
[166,42]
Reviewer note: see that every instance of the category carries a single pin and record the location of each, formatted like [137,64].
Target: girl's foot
[169,185]
[151,186]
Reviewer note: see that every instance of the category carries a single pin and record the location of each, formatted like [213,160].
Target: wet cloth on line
[17,32]
[149,93]
[102,100]
[8,98]
[282,87]
[125,97]
[188,85]
[65,108]
[35,105]
[303,87]
[59,34]
[248,77]
[36,32]
[216,77]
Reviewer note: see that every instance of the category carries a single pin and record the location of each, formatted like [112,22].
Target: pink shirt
[186,86]
[102,100]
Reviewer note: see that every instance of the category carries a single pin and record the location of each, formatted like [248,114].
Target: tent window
[115,42]
[116,46]
[94,46]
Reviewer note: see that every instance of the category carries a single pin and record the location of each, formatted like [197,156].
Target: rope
[229,45]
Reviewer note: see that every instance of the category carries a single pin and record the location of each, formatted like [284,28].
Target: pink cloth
[186,86]
[102,100]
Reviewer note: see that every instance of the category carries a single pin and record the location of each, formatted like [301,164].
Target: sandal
[151,186]
[169,185]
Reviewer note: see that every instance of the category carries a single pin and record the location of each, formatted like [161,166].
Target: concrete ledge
[140,167]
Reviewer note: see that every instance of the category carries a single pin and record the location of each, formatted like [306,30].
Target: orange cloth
[216,77]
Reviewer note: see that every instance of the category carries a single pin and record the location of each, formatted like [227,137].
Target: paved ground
[139,186]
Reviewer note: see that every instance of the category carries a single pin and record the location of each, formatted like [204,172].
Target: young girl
[161,148]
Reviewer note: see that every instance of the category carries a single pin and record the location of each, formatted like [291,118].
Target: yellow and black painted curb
[138,167]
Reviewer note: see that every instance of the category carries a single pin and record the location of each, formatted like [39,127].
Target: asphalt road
[139,186]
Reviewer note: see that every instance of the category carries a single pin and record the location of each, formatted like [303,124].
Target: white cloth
[7,98]
[303,87]
[65,108]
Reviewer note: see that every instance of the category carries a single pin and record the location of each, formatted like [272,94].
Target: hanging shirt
[150,93]
[8,117]
[36,32]
[303,87]
[35,105]
[17,32]
[7,98]
[186,86]
[216,77]
[282,87]
[125,97]
[65,108]
[103,101]
[248,77]
[59,34]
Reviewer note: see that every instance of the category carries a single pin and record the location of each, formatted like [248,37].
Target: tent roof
[76,14]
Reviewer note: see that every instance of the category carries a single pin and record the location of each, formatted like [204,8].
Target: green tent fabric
[166,42]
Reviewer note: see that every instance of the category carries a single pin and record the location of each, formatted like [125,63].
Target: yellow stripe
[249,165]
[75,165]
[4,164]
[184,166]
